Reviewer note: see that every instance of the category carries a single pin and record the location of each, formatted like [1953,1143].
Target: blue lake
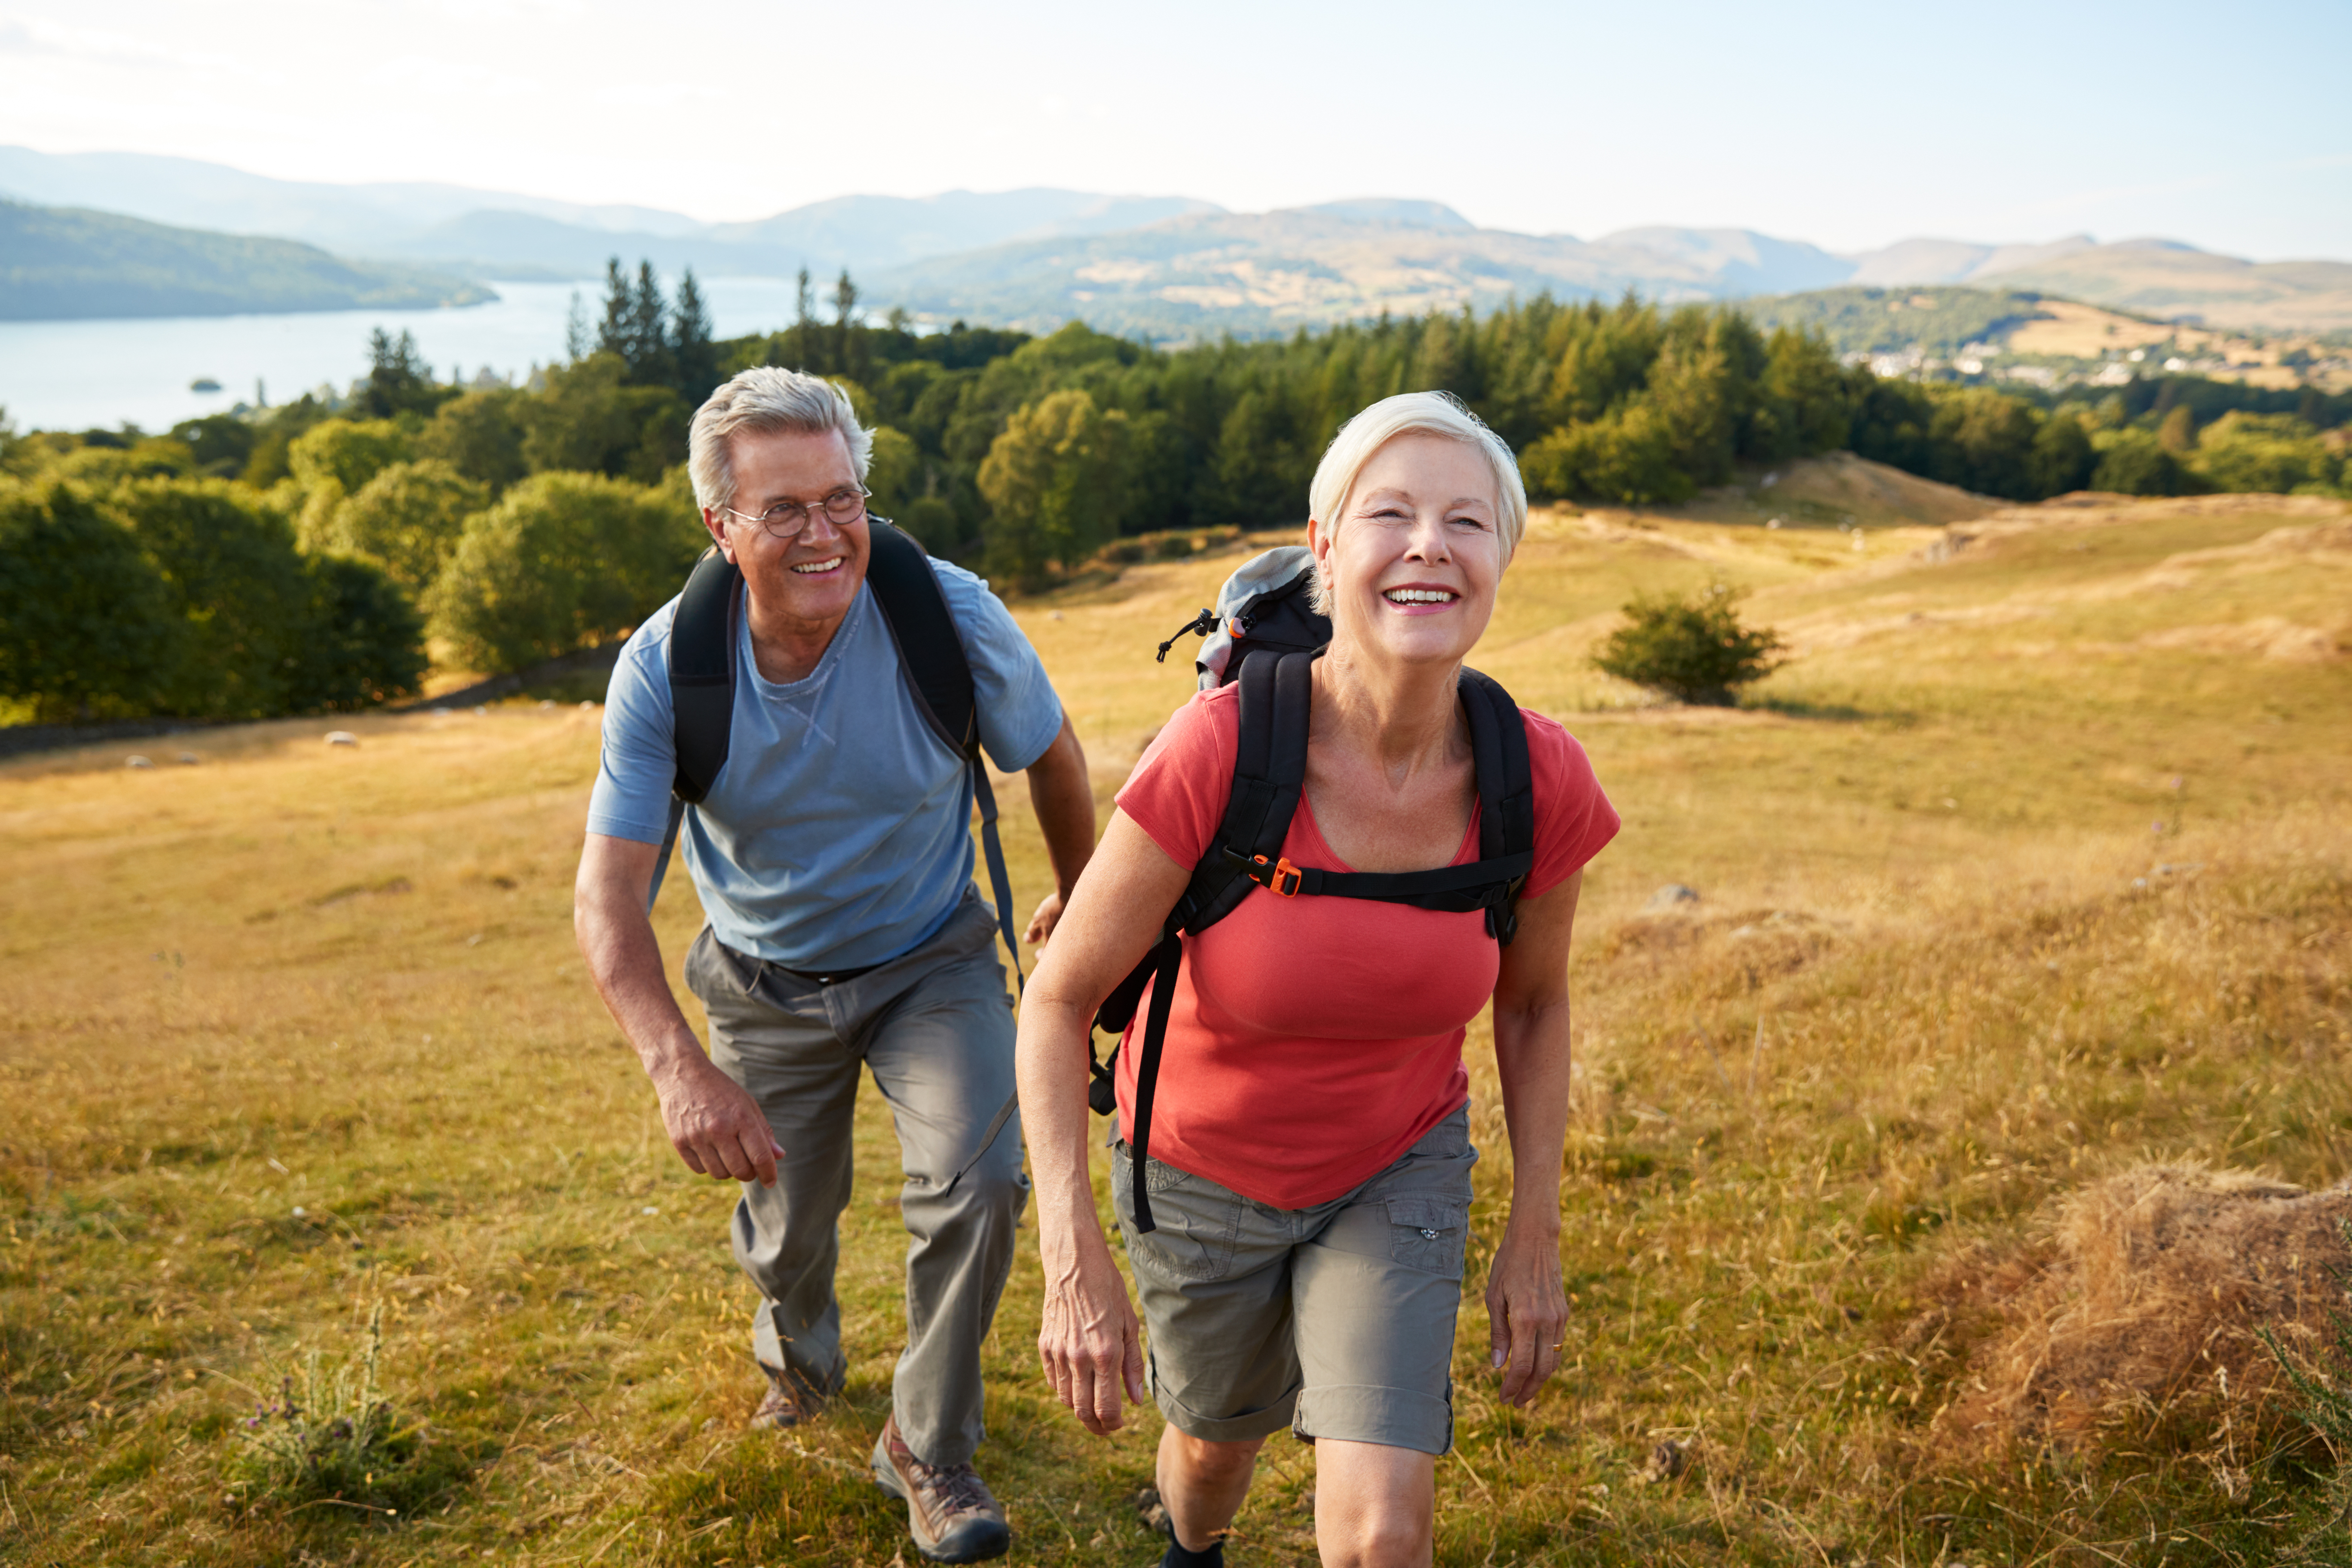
[72,375]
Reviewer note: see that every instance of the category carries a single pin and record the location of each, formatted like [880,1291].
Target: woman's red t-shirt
[1311,1041]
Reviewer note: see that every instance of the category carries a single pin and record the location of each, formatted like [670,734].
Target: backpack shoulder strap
[702,673]
[701,692]
[1269,774]
[916,610]
[1507,793]
[931,655]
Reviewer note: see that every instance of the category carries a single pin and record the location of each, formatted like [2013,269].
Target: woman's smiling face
[1414,559]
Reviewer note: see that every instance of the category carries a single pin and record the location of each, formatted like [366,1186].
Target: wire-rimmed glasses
[787,518]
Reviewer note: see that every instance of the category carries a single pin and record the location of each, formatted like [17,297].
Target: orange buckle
[1282,877]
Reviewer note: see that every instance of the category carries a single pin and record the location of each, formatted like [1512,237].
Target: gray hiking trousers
[936,1029]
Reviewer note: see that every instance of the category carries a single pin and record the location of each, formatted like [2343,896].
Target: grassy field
[2032,865]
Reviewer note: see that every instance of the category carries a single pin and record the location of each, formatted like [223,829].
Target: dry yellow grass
[2007,888]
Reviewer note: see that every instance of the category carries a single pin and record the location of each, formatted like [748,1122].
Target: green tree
[1695,649]
[1982,440]
[346,453]
[237,583]
[406,519]
[893,470]
[398,379]
[591,420]
[2133,462]
[2277,453]
[2063,459]
[221,444]
[1056,485]
[364,642]
[561,561]
[478,434]
[88,625]
[1627,457]
[694,355]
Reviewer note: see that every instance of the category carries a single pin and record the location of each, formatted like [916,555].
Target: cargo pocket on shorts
[1428,1235]
[1194,1220]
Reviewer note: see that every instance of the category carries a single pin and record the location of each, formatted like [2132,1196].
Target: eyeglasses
[786,519]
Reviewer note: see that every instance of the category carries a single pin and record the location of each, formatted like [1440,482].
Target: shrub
[239,586]
[1694,650]
[1627,456]
[407,520]
[2135,463]
[366,643]
[2271,452]
[332,1436]
[562,561]
[88,628]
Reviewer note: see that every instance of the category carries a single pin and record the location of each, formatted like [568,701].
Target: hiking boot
[788,1403]
[953,1516]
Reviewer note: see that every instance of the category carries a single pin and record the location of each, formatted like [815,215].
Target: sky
[1848,125]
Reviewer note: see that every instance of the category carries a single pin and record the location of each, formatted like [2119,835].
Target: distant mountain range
[1168,267]
[62,263]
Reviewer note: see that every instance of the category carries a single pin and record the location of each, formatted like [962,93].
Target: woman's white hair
[762,400]
[1412,413]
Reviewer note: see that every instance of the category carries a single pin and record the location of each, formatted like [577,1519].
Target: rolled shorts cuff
[1369,1412]
[1261,1423]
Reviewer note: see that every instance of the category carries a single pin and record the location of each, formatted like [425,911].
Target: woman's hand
[1090,1342]
[1527,1308]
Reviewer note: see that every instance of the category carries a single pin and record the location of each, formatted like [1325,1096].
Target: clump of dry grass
[2136,1316]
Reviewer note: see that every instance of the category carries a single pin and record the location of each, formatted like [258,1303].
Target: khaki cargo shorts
[1336,1321]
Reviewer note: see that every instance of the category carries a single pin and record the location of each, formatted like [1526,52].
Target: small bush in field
[1695,651]
[332,1436]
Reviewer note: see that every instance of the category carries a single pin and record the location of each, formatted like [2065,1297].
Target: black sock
[1177,1557]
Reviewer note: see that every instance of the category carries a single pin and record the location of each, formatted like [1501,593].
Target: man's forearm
[1063,796]
[625,963]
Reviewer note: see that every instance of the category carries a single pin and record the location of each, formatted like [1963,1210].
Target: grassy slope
[343,980]
[65,263]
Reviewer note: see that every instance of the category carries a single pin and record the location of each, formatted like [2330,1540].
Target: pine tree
[803,323]
[648,353]
[694,355]
[845,307]
[613,331]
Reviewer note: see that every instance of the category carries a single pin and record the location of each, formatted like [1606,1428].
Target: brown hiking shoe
[788,1403]
[949,1508]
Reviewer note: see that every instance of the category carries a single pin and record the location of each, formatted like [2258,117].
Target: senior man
[832,855]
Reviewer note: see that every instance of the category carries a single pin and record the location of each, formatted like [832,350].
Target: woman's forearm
[1050,1065]
[1531,1055]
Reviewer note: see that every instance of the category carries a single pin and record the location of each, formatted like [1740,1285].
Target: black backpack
[1272,640]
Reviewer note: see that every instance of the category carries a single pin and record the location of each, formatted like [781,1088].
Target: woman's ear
[1318,540]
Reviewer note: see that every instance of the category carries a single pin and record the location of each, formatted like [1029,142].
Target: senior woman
[1309,1167]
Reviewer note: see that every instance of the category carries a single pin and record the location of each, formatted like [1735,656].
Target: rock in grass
[341,738]
[1672,896]
[189,759]
[137,762]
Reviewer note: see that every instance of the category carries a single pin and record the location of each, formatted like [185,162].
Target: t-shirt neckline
[814,682]
[1464,853]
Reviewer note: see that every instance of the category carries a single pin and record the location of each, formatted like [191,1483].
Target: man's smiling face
[811,579]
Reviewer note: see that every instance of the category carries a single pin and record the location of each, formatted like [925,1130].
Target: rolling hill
[64,264]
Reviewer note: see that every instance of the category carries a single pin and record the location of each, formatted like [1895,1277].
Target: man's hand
[1042,923]
[715,1126]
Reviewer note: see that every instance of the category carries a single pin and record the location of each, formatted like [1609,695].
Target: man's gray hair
[763,400]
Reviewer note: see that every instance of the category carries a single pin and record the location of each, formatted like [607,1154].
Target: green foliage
[1934,320]
[2275,452]
[561,561]
[240,587]
[1056,482]
[406,519]
[365,640]
[2135,463]
[346,453]
[592,419]
[398,379]
[88,627]
[2063,458]
[478,434]
[332,1436]
[893,469]
[220,444]
[1625,456]
[1695,649]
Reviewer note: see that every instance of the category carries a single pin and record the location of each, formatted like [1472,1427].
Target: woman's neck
[1407,717]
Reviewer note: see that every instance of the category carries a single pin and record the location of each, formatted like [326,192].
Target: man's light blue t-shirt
[839,832]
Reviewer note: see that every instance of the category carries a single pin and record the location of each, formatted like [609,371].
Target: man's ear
[718,531]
